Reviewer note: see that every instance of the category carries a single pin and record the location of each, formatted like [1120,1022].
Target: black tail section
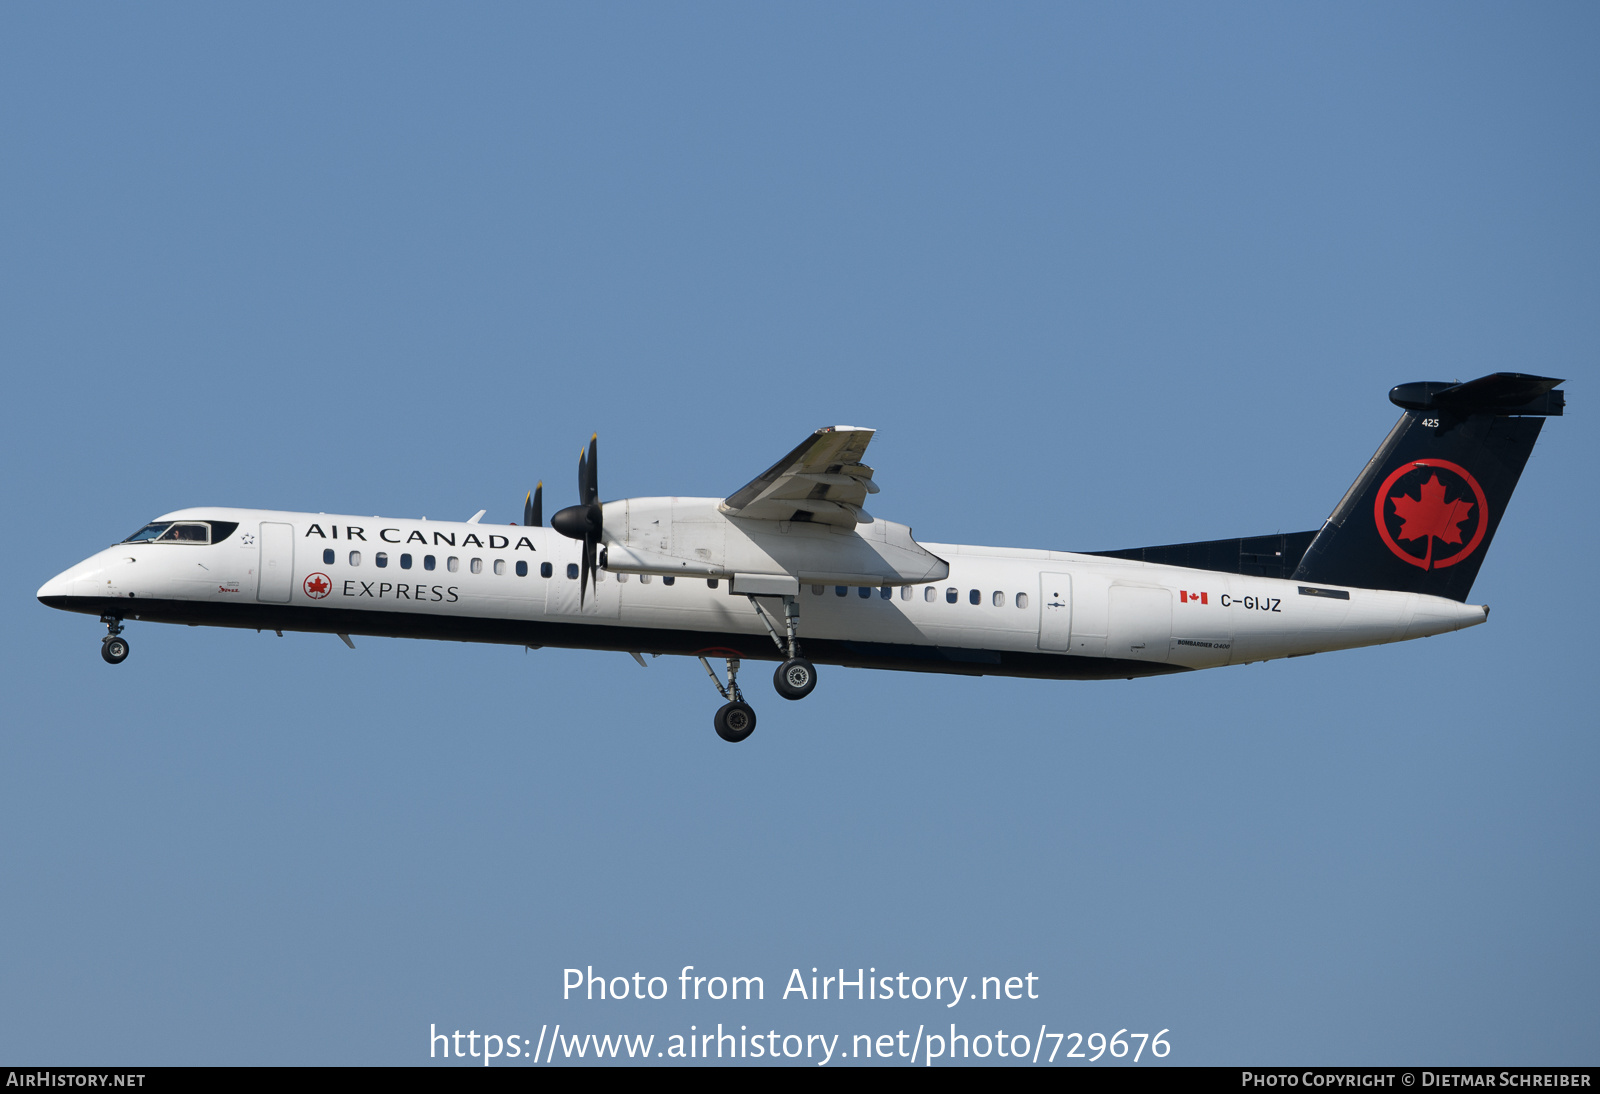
[1276,555]
[1423,512]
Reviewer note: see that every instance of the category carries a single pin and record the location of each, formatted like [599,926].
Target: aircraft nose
[67,586]
[56,588]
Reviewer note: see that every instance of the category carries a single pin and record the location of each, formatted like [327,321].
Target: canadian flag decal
[1184,597]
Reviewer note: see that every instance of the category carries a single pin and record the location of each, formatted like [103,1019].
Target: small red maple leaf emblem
[317,586]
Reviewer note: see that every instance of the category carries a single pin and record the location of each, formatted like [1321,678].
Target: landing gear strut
[734,720]
[113,647]
[796,677]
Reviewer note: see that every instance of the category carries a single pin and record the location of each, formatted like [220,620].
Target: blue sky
[1100,276]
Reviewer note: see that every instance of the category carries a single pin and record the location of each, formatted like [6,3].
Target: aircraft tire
[795,679]
[735,721]
[114,650]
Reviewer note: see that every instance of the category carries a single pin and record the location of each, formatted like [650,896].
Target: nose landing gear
[113,647]
[734,720]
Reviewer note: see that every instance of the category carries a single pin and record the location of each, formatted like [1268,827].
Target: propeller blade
[586,520]
[583,584]
[592,497]
[533,508]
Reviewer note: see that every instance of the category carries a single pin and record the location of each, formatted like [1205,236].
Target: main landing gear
[113,647]
[795,678]
[734,720]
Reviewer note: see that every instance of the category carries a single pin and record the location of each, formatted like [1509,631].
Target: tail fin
[1421,515]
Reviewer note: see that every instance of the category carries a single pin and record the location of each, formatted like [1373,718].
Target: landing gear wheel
[795,678]
[114,649]
[735,721]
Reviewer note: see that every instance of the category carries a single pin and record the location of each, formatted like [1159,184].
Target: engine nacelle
[691,536]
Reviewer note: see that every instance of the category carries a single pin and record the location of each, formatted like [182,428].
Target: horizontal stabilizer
[1505,393]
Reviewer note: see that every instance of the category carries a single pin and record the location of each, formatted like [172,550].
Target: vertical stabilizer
[1422,513]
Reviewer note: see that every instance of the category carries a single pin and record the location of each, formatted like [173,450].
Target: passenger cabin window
[428,562]
[975,597]
[500,567]
[522,567]
[839,590]
[905,592]
[545,569]
[999,599]
[644,579]
[405,562]
[864,592]
[572,571]
[327,556]
[355,558]
[930,594]
[669,580]
[951,595]
[452,564]
[381,558]
[621,579]
[711,583]
[476,566]
[1022,600]
[816,590]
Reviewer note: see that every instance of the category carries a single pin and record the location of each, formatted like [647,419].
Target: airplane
[793,561]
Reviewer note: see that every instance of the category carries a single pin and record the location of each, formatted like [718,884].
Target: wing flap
[822,479]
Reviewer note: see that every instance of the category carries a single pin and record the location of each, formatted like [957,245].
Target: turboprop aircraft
[793,563]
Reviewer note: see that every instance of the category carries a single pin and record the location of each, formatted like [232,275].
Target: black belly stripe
[610,636]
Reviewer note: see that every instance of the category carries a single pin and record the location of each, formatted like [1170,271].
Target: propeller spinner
[585,520]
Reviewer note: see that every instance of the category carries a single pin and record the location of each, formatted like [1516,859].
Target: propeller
[533,508]
[585,520]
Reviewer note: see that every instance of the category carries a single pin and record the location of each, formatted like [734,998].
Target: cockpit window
[180,531]
[149,532]
[187,532]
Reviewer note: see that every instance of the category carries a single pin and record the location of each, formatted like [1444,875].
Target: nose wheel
[734,720]
[113,647]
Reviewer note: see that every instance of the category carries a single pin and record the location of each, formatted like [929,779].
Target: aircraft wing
[822,480]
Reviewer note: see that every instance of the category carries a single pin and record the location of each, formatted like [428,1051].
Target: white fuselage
[1001,611]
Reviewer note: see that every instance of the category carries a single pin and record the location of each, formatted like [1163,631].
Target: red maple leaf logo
[317,586]
[1430,515]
